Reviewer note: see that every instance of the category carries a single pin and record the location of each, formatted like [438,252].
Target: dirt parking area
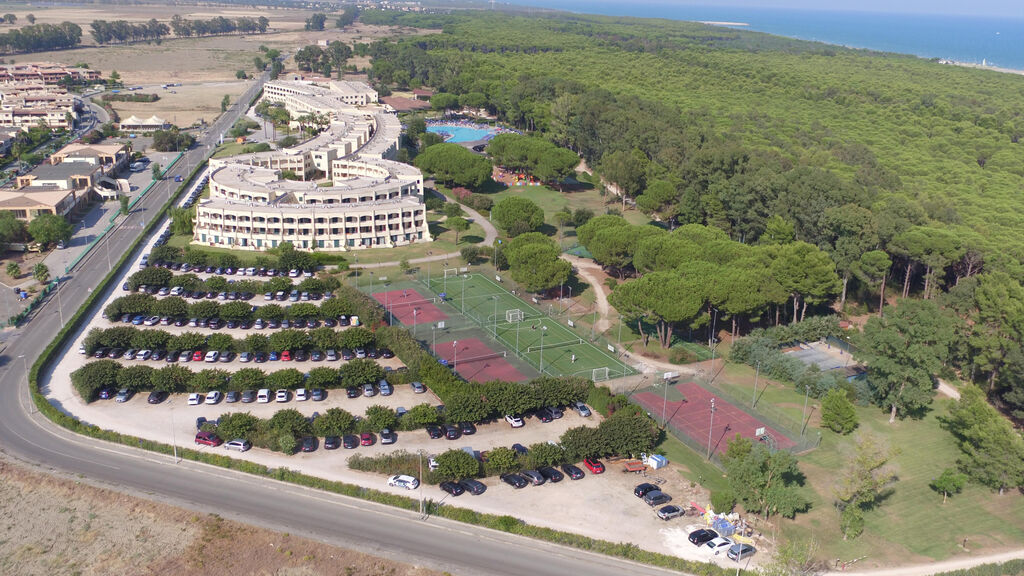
[599,506]
[52,526]
[184,105]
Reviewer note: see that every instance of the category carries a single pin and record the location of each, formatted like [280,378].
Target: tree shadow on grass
[470,239]
[490,187]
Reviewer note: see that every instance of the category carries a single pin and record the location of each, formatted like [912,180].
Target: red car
[286,356]
[208,439]
[198,356]
[366,439]
[594,465]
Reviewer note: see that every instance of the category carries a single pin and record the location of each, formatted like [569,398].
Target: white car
[212,356]
[514,421]
[301,394]
[719,544]
[81,348]
[195,399]
[293,273]
[151,321]
[176,291]
[282,395]
[263,396]
[213,397]
[404,481]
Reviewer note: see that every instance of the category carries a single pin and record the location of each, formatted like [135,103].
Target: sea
[972,39]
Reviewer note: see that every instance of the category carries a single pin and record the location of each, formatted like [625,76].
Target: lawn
[912,524]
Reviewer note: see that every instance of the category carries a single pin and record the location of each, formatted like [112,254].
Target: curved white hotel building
[348,192]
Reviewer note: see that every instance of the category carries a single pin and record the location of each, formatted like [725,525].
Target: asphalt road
[346,522]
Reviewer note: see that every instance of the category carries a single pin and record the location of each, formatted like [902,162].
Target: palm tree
[41,273]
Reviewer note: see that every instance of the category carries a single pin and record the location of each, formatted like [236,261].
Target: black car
[514,480]
[100,353]
[350,441]
[386,353]
[474,487]
[573,472]
[332,442]
[435,432]
[371,352]
[550,473]
[330,322]
[157,355]
[172,356]
[702,536]
[115,353]
[273,324]
[309,443]
[106,393]
[312,323]
[642,490]
[300,356]
[231,325]
[544,415]
[260,357]
[452,432]
[232,396]
[298,323]
[468,429]
[316,356]
[179,322]
[354,392]
[453,488]
[157,396]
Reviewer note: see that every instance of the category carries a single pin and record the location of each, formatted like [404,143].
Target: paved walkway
[490,235]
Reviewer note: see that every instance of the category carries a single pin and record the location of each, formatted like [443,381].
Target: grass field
[541,340]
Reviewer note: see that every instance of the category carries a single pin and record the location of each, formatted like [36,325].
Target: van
[263,396]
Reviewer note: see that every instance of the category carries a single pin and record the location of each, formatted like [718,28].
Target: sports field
[544,341]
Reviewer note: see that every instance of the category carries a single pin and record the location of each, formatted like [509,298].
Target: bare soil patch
[185,105]
[54,526]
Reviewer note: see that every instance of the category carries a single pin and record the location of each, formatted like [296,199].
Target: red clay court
[403,303]
[693,414]
[475,361]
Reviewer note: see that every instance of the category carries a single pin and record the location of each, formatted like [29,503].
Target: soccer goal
[515,315]
[600,374]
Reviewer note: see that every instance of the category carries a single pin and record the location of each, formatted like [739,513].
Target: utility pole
[711,427]
[757,372]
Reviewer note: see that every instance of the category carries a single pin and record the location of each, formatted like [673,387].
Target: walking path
[585,268]
[490,235]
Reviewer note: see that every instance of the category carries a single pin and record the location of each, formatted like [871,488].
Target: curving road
[436,543]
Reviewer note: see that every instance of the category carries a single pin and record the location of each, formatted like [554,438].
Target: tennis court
[546,342]
[410,307]
[476,361]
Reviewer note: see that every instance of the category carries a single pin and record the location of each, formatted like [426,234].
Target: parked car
[248,396]
[453,488]
[352,392]
[474,487]
[551,474]
[657,498]
[514,421]
[208,438]
[239,444]
[124,395]
[452,432]
[434,432]
[263,396]
[195,399]
[350,441]
[157,396]
[555,412]
[232,396]
[368,390]
[514,480]
[212,356]
[467,428]
[366,439]
[669,512]
[332,355]
[387,436]
[544,415]
[594,465]
[332,442]
[702,536]
[418,388]
[301,395]
[309,443]
[719,544]
[740,551]
[533,477]
[318,394]
[213,397]
[385,388]
[281,395]
[643,489]
[404,481]
[573,472]
[582,409]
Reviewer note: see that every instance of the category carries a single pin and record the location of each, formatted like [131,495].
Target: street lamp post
[495,316]
[414,312]
[455,358]
[714,323]
[803,424]
[711,427]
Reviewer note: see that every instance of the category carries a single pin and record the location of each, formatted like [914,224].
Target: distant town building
[45,72]
[348,192]
[24,105]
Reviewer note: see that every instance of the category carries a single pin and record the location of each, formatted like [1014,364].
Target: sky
[1011,8]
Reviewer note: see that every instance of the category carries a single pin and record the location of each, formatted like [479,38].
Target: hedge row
[277,341]
[238,310]
[163,277]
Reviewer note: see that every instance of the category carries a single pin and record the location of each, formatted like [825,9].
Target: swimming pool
[462,133]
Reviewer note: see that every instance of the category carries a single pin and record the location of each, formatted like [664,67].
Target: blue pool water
[461,133]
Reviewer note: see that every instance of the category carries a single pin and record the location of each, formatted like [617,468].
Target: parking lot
[600,506]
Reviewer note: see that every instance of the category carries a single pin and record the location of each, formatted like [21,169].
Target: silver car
[239,444]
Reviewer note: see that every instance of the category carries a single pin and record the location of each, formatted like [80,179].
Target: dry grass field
[52,526]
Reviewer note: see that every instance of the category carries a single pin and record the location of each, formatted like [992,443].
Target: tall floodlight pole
[543,330]
[711,427]
[757,372]
[414,312]
[455,358]
[495,317]
[803,425]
